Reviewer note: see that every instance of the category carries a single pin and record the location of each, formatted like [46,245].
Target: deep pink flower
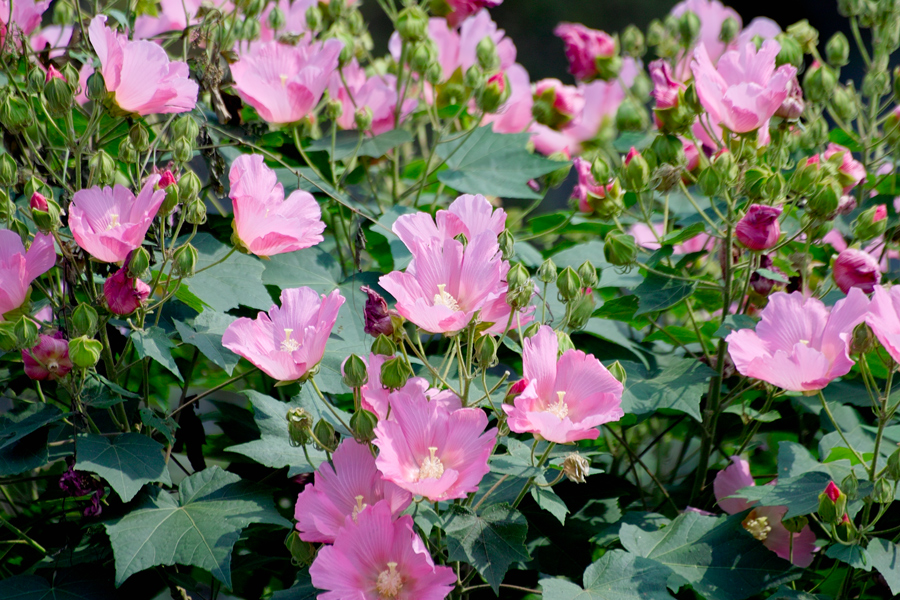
[375,557]
[109,223]
[567,101]
[856,269]
[884,319]
[377,93]
[759,228]
[265,221]
[140,74]
[19,268]
[343,490]
[462,9]
[166,179]
[377,316]
[376,398]
[587,186]
[432,451]
[799,345]
[875,247]
[712,14]
[566,399]
[49,360]
[763,522]
[665,86]
[850,171]
[53,73]
[56,37]
[583,47]
[38,202]
[284,83]
[124,294]
[288,341]
[832,491]
[745,89]
[26,14]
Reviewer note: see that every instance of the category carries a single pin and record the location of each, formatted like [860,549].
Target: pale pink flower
[26,14]
[799,345]
[377,93]
[851,172]
[289,341]
[56,37]
[265,221]
[109,223]
[19,268]
[566,399]
[856,269]
[124,294]
[761,27]
[691,154]
[665,86]
[375,557]
[140,74]
[472,31]
[763,522]
[712,14]
[583,47]
[759,229]
[344,489]
[470,215]
[647,238]
[284,83]
[431,451]
[745,89]
[49,360]
[376,398]
[884,319]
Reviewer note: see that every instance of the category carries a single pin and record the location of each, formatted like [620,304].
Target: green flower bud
[26,331]
[619,249]
[474,78]
[730,30]
[819,83]
[893,466]
[656,33]
[424,54]
[182,151]
[435,74]
[59,95]
[837,50]
[884,492]
[845,529]
[127,152]
[15,114]
[185,260]
[276,19]
[184,127]
[325,435]
[843,103]
[580,312]
[85,320]
[334,109]
[688,27]
[486,351]
[412,24]
[363,118]
[849,491]
[395,373]
[96,87]
[517,276]
[84,351]
[805,34]
[709,182]
[876,84]
[692,101]
[636,172]
[336,8]
[103,168]
[547,271]
[188,187]
[642,86]
[755,180]
[669,150]
[827,510]
[63,13]
[8,339]
[825,201]
[600,170]
[363,423]
[195,212]
[588,274]
[569,284]
[795,524]
[494,94]
[618,371]
[47,220]
[633,42]
[250,30]
[791,52]
[299,426]
[9,172]
[565,342]
[171,201]
[355,373]
[302,553]
[314,17]
[632,116]
[356,23]
[139,137]
[507,244]
[870,223]
[850,8]
[806,177]
[486,52]
[7,208]
[383,346]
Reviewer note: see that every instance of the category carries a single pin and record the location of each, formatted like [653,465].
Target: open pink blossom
[108,223]
[884,319]
[759,229]
[289,341]
[266,222]
[49,360]
[583,47]
[375,557]
[139,73]
[470,215]
[799,345]
[376,398]
[124,294]
[566,399]
[856,269]
[55,37]
[344,489]
[763,522]
[431,451]
[378,93]
[745,89]
[474,29]
[19,268]
[26,14]
[850,171]
[284,83]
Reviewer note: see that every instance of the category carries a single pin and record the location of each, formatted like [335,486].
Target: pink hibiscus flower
[376,398]
[377,93]
[19,268]
[884,319]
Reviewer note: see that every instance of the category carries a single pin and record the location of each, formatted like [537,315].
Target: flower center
[445,299]
[432,467]
[289,344]
[560,409]
[284,79]
[757,526]
[52,366]
[389,582]
[360,505]
[113,221]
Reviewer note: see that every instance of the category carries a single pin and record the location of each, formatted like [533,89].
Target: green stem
[530,481]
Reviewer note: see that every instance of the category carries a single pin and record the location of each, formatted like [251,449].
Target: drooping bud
[576,467]
[124,294]
[85,320]
[96,87]
[355,373]
[569,284]
[84,352]
[856,268]
[299,426]
[377,316]
[619,249]
[870,223]
[48,360]
[395,373]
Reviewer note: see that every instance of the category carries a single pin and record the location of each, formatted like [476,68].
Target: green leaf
[301,590]
[188,297]
[795,460]
[547,499]
[658,292]
[155,344]
[235,281]
[715,555]
[23,438]
[734,323]
[126,461]
[618,575]
[199,528]
[885,557]
[855,556]
[312,268]
[490,542]
[71,584]
[842,138]
[800,494]
[786,593]
[100,392]
[682,235]
[774,276]
[622,309]
[639,140]
[346,142]
[677,386]
[165,426]
[493,164]
[205,333]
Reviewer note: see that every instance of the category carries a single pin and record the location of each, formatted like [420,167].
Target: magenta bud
[166,179]
[377,315]
[759,228]
[124,294]
[855,268]
[39,202]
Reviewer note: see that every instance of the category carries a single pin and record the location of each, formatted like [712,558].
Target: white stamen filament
[289,345]
[360,505]
[445,299]
[431,467]
[559,409]
[284,79]
[389,582]
[113,221]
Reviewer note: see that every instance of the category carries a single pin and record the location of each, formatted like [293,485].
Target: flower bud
[8,171]
[124,294]
[884,492]
[576,467]
[569,284]
[759,229]
[26,331]
[434,75]
[825,200]
[48,360]
[171,201]
[805,34]
[588,274]
[564,341]
[619,249]
[313,17]
[791,53]
[182,151]
[38,202]
[633,42]
[893,466]
[377,317]
[85,320]
[423,55]
[37,79]
[412,24]
[276,19]
[84,351]
[631,116]
[8,339]
[850,8]
[355,374]
[15,114]
[581,309]
[63,13]
[600,170]
[7,208]
[363,118]
[195,212]
[46,220]
[96,87]
[383,346]
[688,27]
[507,244]
[795,524]
[188,187]
[709,182]
[618,371]
[127,152]
[363,423]
[837,50]
[103,169]
[58,93]
[876,84]
[185,261]
[494,94]
[299,426]
[636,172]
[517,276]
[486,351]
[185,126]
[730,30]
[843,102]
[139,137]
[668,150]
[334,109]
[325,435]
[395,373]
[819,83]
[870,223]
[832,504]
[856,268]
[302,553]
[547,271]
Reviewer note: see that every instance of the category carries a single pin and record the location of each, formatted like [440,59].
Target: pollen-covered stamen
[389,582]
[53,365]
[431,467]
[284,79]
[360,505]
[445,299]
[113,221]
[757,526]
[560,409]
[289,344]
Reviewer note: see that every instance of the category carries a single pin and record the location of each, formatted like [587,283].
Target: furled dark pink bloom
[759,228]
[343,490]
[587,186]
[139,73]
[49,360]
[856,269]
[799,345]
[284,83]
[515,115]
[760,284]
[431,451]
[26,14]
[665,86]
[377,315]
[566,398]
[376,398]
[832,491]
[633,153]
[38,202]
[375,557]
[763,522]
[108,223]
[461,9]
[583,47]
[793,104]
[377,93]
[265,221]
[875,248]
[124,294]
[567,101]
[850,171]
[288,341]
[76,483]
[19,268]
[166,179]
[55,37]
[745,89]
[884,318]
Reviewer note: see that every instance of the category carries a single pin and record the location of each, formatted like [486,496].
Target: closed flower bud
[656,33]
[412,24]
[182,151]
[636,172]
[893,466]
[792,106]
[15,114]
[569,284]
[124,294]
[171,201]
[395,373]
[26,331]
[668,150]
[334,109]
[825,200]
[837,50]
[564,341]
[127,152]
[688,27]
[185,261]
[805,34]
[547,271]
[326,437]
[185,126]
[47,220]
[618,371]
[884,492]
[188,187]
[313,17]
[845,529]
[494,94]
[84,351]
[631,116]
[507,244]
[363,118]
[819,83]
[59,95]
[580,310]
[816,134]
[843,102]
[709,182]
[302,553]
[38,202]
[474,77]
[363,423]
[195,212]
[600,170]
[486,351]
[139,137]
[619,249]
[856,268]
[103,168]
[759,229]
[7,208]
[276,19]
[588,274]
[806,176]
[63,13]
[850,8]
[795,524]
[355,374]
[8,171]
[299,426]
[876,84]
[434,75]
[424,54]
[96,87]
[576,467]
[85,320]
[37,79]
[832,504]
[729,31]
[870,223]
[633,42]
[517,276]
[383,346]
[376,314]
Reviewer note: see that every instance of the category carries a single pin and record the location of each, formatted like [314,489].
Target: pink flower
[884,318]
[745,89]
[567,101]
[472,31]
[344,490]
[38,202]
[665,87]
[583,47]
[26,14]
[377,93]
[49,360]
[265,221]
[166,179]
[174,15]
[587,186]
[140,74]
[875,248]
[712,14]
[691,153]
[53,73]
[461,9]
[793,104]
[880,213]
[109,223]
[284,83]
[647,238]
[759,228]
[856,269]
[760,27]
[799,345]
[431,451]
[566,399]
[850,172]
[124,294]
[832,491]
[376,398]
[19,268]
[289,341]
[376,557]
[763,522]
[56,37]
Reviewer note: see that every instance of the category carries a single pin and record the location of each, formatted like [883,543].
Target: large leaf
[493,164]
[713,554]
[233,282]
[800,494]
[677,386]
[71,584]
[795,460]
[301,590]
[205,333]
[885,557]
[23,438]
[658,292]
[312,268]
[154,343]
[610,275]
[126,461]
[618,575]
[198,528]
[490,542]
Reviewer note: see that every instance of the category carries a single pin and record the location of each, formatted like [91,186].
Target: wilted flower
[792,106]
[124,294]
[856,269]
[49,360]
[759,229]
[377,316]
[576,467]
[19,268]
